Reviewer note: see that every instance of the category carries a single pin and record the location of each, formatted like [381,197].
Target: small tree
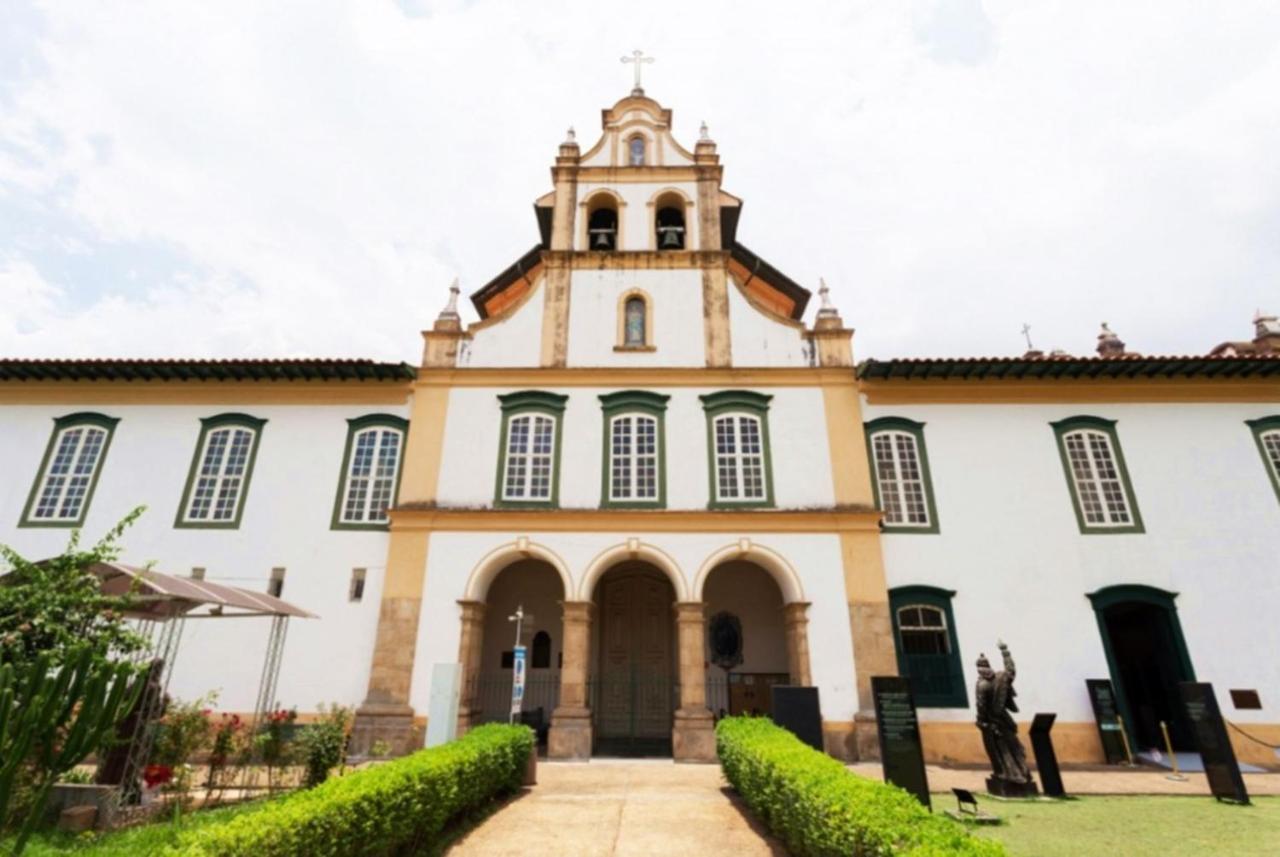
[56,606]
[323,743]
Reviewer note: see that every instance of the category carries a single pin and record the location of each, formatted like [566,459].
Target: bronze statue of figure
[1010,776]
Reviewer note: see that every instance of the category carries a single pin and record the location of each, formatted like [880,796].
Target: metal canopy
[160,596]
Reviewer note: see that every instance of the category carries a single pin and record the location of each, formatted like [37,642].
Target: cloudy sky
[305,178]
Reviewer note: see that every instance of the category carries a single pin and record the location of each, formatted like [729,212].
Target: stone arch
[770,560]
[632,549]
[496,560]
[601,197]
[670,197]
[627,295]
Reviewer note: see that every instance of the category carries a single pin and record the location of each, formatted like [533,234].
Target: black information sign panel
[900,750]
[1106,711]
[1211,740]
[796,708]
[1046,758]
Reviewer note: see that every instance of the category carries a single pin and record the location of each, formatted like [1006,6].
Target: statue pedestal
[1000,787]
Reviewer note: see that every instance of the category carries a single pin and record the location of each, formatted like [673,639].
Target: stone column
[693,736]
[570,735]
[470,646]
[796,623]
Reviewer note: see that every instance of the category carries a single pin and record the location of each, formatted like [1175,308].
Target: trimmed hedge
[398,806]
[818,807]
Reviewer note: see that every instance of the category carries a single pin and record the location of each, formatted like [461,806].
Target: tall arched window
[635,151]
[928,651]
[220,471]
[370,471]
[634,323]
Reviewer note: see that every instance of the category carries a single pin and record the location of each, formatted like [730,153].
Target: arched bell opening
[753,641]
[489,645]
[669,223]
[602,225]
[634,686]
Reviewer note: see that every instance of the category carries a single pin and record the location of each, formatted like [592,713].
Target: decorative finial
[571,137]
[638,58]
[703,132]
[1109,345]
[451,308]
[1026,331]
[824,295]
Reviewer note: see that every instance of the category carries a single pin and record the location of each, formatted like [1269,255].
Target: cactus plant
[52,717]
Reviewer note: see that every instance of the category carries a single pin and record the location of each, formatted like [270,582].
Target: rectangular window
[370,472]
[739,458]
[219,480]
[356,592]
[900,475]
[634,458]
[1266,432]
[530,448]
[275,586]
[69,471]
[738,448]
[1096,476]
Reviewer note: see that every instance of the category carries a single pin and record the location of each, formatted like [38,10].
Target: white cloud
[323,170]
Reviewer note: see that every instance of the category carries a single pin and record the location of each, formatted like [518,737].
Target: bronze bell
[672,238]
[601,239]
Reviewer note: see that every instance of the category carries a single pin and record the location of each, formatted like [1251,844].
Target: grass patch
[1135,826]
[138,841]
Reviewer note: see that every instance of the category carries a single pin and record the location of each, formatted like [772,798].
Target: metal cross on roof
[639,59]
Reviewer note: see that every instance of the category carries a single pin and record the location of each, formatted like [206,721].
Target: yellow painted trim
[407,519]
[204,392]
[624,376]
[920,392]
[637,175]
[406,565]
[850,469]
[424,449]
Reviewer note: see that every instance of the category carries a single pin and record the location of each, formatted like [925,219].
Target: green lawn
[1135,826]
[133,842]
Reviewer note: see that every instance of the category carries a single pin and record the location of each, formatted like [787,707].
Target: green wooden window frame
[885,425]
[630,403]
[1062,429]
[355,427]
[1266,432]
[1110,596]
[744,403]
[208,425]
[61,426]
[939,681]
[525,403]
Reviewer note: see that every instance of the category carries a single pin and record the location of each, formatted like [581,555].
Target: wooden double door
[634,690]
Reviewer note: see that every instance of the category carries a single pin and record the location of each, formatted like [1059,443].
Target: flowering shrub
[156,775]
[818,807]
[272,744]
[397,807]
[226,743]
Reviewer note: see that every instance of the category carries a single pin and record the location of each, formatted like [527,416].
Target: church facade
[692,494]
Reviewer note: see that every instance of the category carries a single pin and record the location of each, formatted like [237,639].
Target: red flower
[155,775]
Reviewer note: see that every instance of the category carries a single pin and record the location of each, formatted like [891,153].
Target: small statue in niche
[725,636]
[994,696]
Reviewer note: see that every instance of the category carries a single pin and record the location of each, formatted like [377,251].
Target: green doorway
[1148,657]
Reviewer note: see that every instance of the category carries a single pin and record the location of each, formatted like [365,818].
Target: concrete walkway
[622,807]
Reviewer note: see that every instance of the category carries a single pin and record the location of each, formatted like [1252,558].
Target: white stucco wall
[1010,547]
[801,467]
[757,340]
[286,523]
[453,556]
[513,340]
[676,306]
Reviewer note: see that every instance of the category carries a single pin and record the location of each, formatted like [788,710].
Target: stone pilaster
[693,735]
[470,646]
[796,624]
[570,735]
